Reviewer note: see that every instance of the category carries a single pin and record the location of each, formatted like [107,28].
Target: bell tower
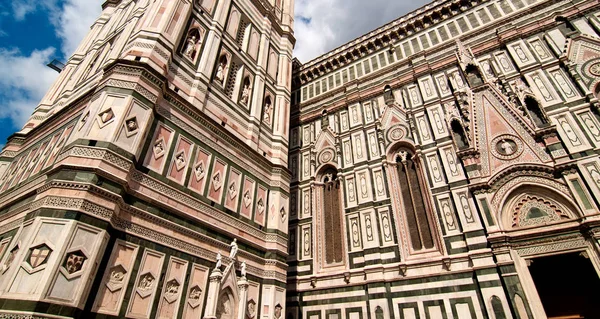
[161,146]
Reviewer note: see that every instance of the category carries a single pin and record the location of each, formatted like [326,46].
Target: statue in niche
[222,69]
[234,249]
[246,92]
[267,110]
[190,47]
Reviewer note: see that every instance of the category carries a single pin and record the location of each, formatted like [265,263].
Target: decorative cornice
[401,28]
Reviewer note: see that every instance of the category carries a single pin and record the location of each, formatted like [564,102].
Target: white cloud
[322,25]
[73,20]
[27,81]
[27,78]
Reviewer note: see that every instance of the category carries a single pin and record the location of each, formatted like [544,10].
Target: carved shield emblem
[39,255]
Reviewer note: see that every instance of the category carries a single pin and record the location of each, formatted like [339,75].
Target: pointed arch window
[332,218]
[536,113]
[473,75]
[459,135]
[388,95]
[413,195]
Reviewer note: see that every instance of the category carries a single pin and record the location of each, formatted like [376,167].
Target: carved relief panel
[364,186]
[180,160]
[379,184]
[145,287]
[465,210]
[541,88]
[370,232]
[351,191]
[347,152]
[436,174]
[172,289]
[36,258]
[217,181]
[306,241]
[442,84]
[359,146]
[233,189]
[385,222]
[590,124]
[261,205]
[353,222]
[194,296]
[446,210]
[77,264]
[540,50]
[199,171]
[159,147]
[116,277]
[563,83]
[248,197]
[503,61]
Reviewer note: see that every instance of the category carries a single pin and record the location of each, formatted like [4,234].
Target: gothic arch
[227,304]
[388,95]
[458,134]
[535,111]
[473,75]
[329,217]
[533,203]
[412,205]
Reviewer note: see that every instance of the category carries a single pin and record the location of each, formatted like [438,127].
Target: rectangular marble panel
[144,289]
[199,171]
[159,148]
[195,295]
[217,181]
[261,205]
[232,194]
[248,197]
[180,160]
[116,276]
[168,306]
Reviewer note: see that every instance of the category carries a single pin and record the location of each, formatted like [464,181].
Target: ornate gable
[583,53]
[503,137]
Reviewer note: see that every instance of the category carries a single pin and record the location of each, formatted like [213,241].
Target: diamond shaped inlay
[159,148]
[180,160]
[199,171]
[131,126]
[106,116]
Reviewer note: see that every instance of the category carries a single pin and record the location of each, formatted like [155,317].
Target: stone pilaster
[214,287]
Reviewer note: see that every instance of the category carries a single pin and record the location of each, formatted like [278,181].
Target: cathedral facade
[152,180]
[446,165]
[184,165]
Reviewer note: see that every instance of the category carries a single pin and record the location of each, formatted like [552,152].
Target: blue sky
[33,33]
